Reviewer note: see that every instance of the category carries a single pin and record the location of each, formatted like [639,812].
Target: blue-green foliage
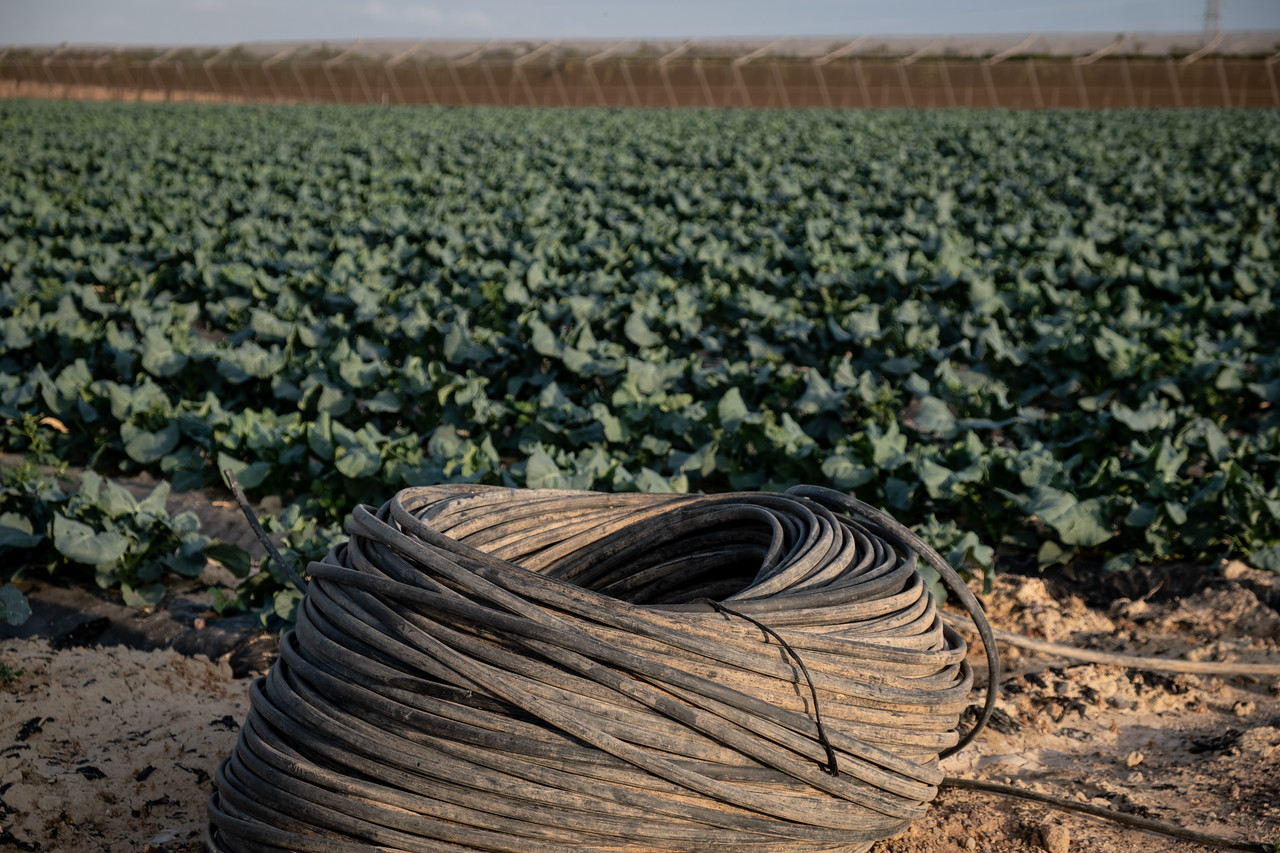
[1055,329]
[49,522]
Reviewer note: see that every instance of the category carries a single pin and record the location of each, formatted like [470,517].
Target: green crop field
[1052,331]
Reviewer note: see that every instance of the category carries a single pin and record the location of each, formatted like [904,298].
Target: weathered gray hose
[530,670]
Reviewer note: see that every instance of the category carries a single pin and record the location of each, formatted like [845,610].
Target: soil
[870,82]
[113,721]
[1198,751]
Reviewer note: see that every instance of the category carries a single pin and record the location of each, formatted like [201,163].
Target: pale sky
[220,22]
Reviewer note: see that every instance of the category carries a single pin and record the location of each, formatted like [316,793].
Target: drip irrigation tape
[489,669]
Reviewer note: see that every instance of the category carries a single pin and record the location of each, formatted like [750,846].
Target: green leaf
[1121,353]
[732,410]
[1121,562]
[249,476]
[536,275]
[154,503]
[158,355]
[1152,416]
[541,471]
[235,558]
[609,422]
[16,532]
[887,447]
[320,437]
[116,500]
[189,560]
[818,395]
[1269,391]
[285,604]
[934,476]
[1142,515]
[579,362]
[1168,461]
[1228,379]
[14,607]
[251,360]
[515,292]
[1216,442]
[355,461]
[934,416]
[969,551]
[863,325]
[639,333]
[357,372]
[791,437]
[333,401]
[384,401]
[648,480]
[148,595]
[1266,558]
[701,461]
[648,378]
[899,492]
[542,339]
[1051,554]
[82,544]
[845,474]
[1076,522]
[147,447]
[1085,524]
[916,385]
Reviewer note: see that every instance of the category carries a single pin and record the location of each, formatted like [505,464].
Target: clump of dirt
[114,748]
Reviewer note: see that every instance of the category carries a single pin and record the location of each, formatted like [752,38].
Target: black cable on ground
[1143,824]
[290,572]
[491,669]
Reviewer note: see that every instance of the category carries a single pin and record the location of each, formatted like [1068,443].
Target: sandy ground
[111,748]
[104,746]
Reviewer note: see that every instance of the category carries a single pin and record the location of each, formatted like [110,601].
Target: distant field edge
[1036,71]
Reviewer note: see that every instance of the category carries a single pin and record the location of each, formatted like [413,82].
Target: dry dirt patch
[111,748]
[1199,751]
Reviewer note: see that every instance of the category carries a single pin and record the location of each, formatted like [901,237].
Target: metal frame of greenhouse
[1228,69]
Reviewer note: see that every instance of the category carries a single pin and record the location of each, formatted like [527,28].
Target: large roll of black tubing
[490,669]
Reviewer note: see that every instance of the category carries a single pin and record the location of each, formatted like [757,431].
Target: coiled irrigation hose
[490,669]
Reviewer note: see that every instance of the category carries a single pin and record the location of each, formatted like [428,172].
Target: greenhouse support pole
[1271,78]
[822,61]
[1037,97]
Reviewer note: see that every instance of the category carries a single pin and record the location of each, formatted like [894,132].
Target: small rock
[971,844]
[1242,709]
[166,835]
[1055,838]
[1138,610]
[1262,742]
[1233,569]
[1032,592]
[1133,759]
